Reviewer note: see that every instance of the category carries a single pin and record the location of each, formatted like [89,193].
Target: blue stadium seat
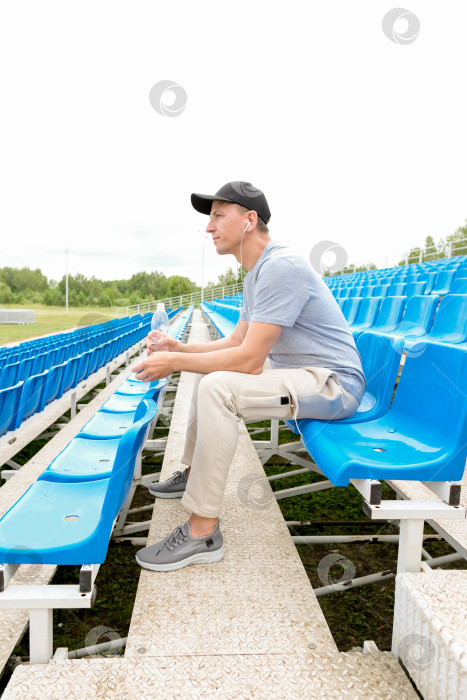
[53,384]
[381,357]
[9,374]
[69,375]
[366,315]
[108,424]
[350,308]
[9,402]
[70,522]
[417,319]
[389,314]
[380,290]
[422,437]
[397,289]
[25,369]
[450,324]
[415,288]
[430,279]
[459,286]
[31,397]
[443,282]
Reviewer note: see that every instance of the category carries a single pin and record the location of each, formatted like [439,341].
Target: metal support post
[410,546]
[40,635]
[73,405]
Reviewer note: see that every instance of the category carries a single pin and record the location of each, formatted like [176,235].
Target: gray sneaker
[174,487]
[180,549]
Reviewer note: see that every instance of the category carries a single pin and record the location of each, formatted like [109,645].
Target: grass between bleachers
[53,319]
[353,616]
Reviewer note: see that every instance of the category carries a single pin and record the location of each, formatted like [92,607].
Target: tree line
[25,286]
[454,244]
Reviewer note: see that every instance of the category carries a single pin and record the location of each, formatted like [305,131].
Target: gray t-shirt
[283,289]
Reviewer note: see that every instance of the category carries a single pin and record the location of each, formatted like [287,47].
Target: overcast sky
[353,137]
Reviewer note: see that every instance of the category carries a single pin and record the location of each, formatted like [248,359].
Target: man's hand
[164,343]
[157,366]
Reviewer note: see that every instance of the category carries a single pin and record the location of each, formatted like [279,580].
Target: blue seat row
[25,398]
[421,434]
[67,515]
[418,318]
[224,317]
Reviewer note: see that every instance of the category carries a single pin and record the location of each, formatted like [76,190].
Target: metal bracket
[449,491]
[370,489]
[87,576]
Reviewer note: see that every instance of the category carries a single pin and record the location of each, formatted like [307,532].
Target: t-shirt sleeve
[281,293]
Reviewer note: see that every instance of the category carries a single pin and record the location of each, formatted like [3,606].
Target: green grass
[53,319]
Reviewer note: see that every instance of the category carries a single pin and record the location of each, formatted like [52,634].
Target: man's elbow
[252,364]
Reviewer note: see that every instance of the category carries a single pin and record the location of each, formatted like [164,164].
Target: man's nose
[210,227]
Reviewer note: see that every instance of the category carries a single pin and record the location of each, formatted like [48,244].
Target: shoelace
[176,538]
[176,478]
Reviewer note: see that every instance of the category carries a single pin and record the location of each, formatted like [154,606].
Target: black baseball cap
[238,192]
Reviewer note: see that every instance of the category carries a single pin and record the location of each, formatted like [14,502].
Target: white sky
[353,138]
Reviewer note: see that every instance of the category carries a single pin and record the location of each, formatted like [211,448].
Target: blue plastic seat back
[69,375]
[31,397]
[397,289]
[9,402]
[430,279]
[39,362]
[414,288]
[389,314]
[430,399]
[451,319]
[82,368]
[130,446]
[53,384]
[366,314]
[381,356]
[25,369]
[93,361]
[443,282]
[9,375]
[350,308]
[381,290]
[459,286]
[418,315]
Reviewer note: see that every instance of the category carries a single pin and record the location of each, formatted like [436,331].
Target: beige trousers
[221,399]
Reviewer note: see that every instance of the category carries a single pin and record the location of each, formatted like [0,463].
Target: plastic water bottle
[160,322]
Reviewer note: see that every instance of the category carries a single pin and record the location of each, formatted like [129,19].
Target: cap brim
[203,202]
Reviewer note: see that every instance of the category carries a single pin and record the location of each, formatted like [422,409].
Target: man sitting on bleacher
[290,317]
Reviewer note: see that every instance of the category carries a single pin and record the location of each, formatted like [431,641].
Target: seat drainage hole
[378,449]
[71,518]
[103,460]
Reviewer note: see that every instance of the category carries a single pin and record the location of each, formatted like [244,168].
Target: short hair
[261,225]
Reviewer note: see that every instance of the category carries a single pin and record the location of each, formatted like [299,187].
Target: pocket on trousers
[258,403]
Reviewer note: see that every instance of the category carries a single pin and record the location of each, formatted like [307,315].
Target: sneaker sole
[161,494]
[208,558]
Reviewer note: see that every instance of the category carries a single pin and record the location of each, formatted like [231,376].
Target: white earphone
[249,224]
